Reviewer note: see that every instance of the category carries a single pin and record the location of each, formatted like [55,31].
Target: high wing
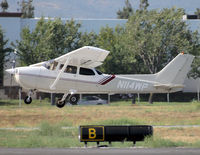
[86,56]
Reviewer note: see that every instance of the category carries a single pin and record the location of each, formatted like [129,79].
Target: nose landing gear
[28,99]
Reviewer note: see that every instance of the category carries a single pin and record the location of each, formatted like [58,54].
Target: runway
[100,151]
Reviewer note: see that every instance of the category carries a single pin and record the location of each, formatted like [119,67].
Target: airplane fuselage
[41,78]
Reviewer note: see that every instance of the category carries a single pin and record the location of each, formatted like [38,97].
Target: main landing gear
[28,99]
[61,102]
[73,99]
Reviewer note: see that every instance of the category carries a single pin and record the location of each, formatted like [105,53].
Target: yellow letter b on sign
[92,133]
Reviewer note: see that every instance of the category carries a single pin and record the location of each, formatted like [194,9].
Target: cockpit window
[86,71]
[71,69]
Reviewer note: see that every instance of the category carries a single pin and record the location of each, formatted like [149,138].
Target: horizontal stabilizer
[168,87]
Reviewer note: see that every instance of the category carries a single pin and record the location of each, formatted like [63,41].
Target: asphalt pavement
[101,151]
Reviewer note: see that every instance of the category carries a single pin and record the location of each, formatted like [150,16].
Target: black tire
[74,99]
[28,100]
[60,104]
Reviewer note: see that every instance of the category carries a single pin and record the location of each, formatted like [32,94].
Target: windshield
[51,65]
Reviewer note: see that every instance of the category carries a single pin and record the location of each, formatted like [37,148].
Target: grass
[50,120]
[49,136]
[143,113]
[121,121]
[52,136]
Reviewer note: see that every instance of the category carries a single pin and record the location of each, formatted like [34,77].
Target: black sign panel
[91,133]
[101,133]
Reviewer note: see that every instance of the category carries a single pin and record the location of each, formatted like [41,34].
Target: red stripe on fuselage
[111,78]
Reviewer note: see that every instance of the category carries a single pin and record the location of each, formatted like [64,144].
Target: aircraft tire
[60,104]
[28,100]
[74,99]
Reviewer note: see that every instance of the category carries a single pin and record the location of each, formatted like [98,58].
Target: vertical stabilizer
[176,71]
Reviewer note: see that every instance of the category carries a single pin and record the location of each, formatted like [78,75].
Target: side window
[86,71]
[71,69]
[98,72]
[61,66]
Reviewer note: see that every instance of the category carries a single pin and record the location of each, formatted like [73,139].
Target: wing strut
[53,86]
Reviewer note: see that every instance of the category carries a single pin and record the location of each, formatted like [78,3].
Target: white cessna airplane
[75,73]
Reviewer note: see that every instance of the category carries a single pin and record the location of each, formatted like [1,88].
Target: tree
[195,40]
[4,5]
[143,4]
[126,12]
[119,61]
[156,37]
[4,52]
[48,40]
[195,72]
[197,13]
[88,39]
[27,9]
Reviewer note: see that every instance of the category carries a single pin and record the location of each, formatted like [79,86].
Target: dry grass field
[117,113]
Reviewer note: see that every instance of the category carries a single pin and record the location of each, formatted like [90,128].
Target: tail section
[176,71]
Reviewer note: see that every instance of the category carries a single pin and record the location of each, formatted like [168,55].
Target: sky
[97,8]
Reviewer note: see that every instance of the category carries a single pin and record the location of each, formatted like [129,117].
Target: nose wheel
[28,100]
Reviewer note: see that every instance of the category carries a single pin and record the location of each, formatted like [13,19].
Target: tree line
[145,44]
